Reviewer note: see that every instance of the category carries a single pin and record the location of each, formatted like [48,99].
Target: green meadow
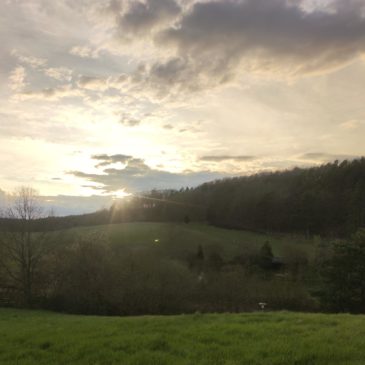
[178,239]
[37,337]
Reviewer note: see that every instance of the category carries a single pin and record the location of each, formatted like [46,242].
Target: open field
[36,338]
[178,239]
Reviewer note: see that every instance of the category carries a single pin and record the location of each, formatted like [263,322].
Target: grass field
[36,338]
[179,239]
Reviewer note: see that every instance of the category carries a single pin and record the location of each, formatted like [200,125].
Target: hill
[327,200]
[166,268]
[178,239]
[42,338]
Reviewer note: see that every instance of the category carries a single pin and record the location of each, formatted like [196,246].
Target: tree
[344,276]
[265,256]
[22,244]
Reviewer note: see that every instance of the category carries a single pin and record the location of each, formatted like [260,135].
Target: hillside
[328,200]
[170,268]
[43,338]
[179,239]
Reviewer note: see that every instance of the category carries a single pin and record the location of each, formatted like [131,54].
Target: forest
[327,200]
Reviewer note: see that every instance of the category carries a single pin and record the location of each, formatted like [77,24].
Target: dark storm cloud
[222,158]
[137,176]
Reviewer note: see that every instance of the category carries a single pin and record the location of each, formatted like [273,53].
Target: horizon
[68,205]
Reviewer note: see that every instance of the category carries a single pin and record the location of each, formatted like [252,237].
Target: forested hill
[328,199]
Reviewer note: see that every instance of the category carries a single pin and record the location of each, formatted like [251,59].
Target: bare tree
[22,245]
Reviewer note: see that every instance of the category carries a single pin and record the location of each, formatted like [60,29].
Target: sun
[120,194]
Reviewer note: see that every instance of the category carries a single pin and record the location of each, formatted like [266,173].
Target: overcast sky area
[99,97]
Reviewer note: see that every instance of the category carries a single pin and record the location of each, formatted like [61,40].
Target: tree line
[327,200]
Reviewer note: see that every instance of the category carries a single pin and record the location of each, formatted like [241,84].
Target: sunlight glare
[120,194]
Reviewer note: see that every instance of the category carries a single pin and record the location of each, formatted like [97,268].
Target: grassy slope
[178,239]
[36,338]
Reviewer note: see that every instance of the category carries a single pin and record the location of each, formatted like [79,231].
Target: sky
[103,98]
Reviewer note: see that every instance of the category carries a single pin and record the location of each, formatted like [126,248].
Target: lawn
[36,338]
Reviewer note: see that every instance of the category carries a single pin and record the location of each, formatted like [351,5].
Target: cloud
[59,73]
[93,83]
[52,93]
[352,124]
[326,157]
[110,159]
[17,79]
[203,44]
[141,17]
[200,45]
[138,176]
[221,158]
[84,52]
[32,61]
[221,37]
[129,121]
[103,83]
[172,77]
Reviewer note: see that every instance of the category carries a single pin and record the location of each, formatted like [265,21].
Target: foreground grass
[176,240]
[32,337]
